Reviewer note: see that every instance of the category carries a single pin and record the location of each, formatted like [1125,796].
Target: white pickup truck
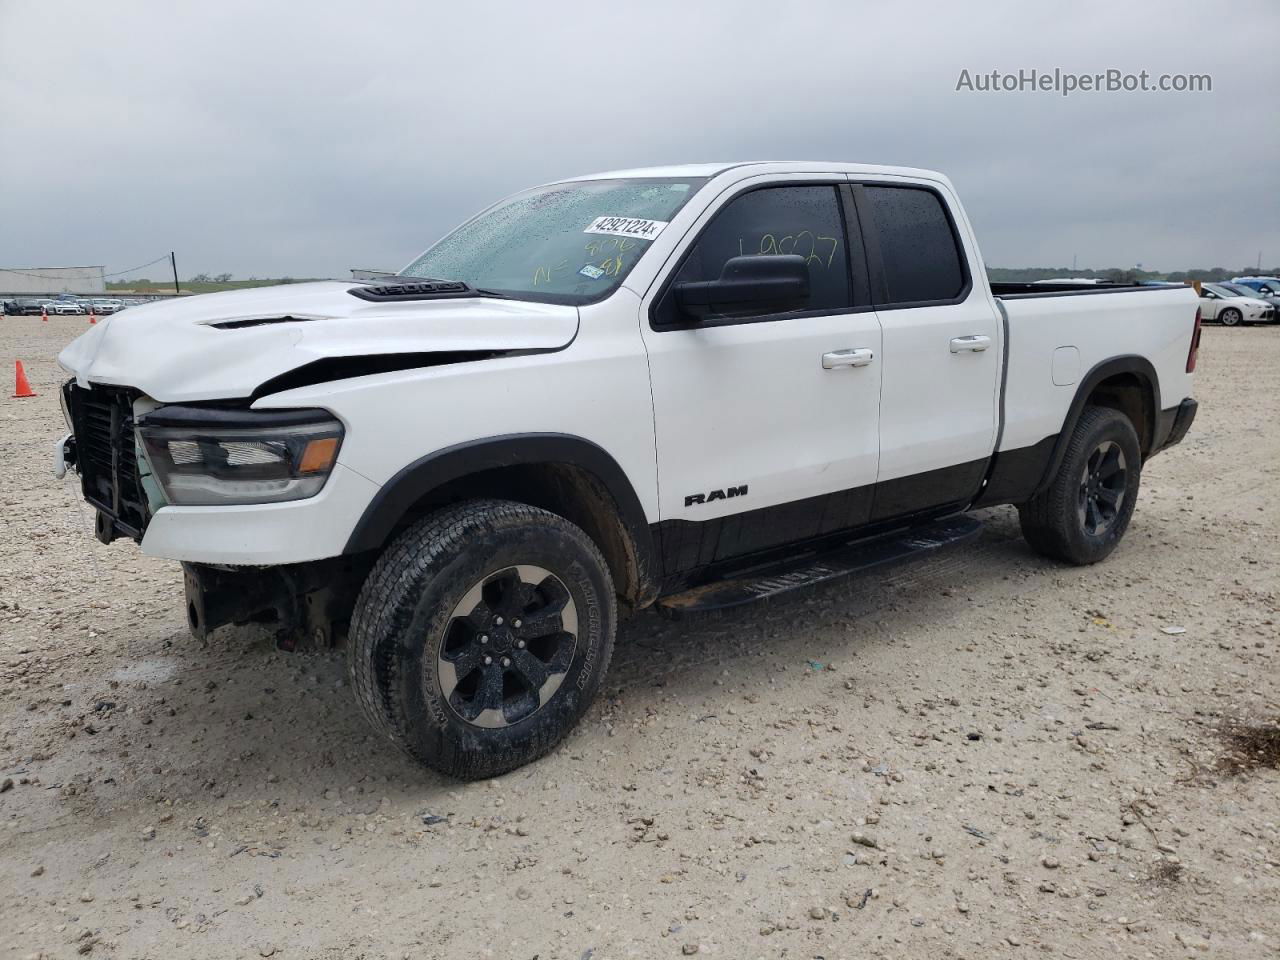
[688,386]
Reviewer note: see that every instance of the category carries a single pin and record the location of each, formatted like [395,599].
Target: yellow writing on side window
[813,247]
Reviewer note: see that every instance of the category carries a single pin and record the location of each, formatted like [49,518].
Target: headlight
[203,456]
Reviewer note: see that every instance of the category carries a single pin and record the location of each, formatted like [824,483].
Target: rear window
[922,259]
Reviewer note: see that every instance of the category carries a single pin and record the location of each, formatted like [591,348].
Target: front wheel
[1231,317]
[1082,515]
[481,636]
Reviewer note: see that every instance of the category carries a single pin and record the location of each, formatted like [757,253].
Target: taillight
[1195,345]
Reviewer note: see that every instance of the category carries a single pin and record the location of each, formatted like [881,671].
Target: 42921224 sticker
[635,227]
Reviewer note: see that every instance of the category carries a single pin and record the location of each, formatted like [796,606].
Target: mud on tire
[434,660]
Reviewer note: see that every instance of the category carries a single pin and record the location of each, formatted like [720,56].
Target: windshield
[566,243]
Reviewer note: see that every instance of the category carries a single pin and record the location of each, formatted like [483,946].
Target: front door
[767,424]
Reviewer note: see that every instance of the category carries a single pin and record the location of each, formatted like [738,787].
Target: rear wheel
[1083,514]
[482,635]
[1230,317]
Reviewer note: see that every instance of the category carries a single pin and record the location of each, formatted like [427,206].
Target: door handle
[852,357]
[971,344]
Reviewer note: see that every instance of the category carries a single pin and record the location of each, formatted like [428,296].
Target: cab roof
[749,167]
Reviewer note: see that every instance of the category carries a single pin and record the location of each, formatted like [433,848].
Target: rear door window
[921,254]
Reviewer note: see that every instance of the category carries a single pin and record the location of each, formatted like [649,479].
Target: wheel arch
[565,474]
[1128,384]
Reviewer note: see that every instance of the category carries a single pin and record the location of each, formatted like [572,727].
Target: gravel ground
[979,755]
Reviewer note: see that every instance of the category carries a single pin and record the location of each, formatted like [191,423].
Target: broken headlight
[205,456]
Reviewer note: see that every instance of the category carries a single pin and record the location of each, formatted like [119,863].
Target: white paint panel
[1155,324]
[263,533]
[938,408]
[170,351]
[597,388]
[750,403]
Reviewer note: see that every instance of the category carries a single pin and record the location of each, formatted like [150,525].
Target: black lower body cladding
[1176,422]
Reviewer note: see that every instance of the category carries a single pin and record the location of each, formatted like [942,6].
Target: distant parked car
[1261,284]
[26,306]
[65,308]
[103,307]
[1231,308]
[1264,295]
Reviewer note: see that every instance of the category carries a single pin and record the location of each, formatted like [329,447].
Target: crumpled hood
[171,350]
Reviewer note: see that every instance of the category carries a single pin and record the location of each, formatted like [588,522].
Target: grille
[106,456]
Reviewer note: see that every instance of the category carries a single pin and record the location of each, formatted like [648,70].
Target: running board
[839,561]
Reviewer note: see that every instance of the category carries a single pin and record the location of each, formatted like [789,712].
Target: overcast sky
[302,139]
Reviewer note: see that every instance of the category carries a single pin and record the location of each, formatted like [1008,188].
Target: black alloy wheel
[508,645]
[1102,488]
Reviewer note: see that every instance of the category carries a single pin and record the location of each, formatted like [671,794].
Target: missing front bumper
[305,603]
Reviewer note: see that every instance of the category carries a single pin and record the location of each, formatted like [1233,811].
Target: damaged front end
[105,451]
[135,456]
[306,604]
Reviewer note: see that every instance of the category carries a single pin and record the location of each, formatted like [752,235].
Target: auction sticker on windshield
[627,227]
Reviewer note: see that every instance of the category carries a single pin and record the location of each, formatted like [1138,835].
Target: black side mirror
[774,283]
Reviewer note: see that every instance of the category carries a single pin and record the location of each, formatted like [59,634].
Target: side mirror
[773,283]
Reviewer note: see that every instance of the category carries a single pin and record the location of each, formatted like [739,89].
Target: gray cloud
[304,139]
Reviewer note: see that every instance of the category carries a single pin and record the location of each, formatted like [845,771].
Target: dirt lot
[983,755]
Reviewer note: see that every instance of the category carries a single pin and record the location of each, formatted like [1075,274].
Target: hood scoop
[416,290]
[258,322]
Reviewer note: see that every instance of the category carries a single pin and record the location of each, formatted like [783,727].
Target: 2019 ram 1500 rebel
[689,386]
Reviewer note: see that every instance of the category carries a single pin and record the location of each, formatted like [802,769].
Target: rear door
[942,341]
[766,424]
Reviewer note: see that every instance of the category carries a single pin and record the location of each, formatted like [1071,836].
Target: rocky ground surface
[980,755]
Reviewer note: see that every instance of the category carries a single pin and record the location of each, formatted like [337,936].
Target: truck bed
[1014,290]
[1064,331]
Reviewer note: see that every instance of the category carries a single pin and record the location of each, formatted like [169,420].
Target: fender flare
[394,499]
[1146,374]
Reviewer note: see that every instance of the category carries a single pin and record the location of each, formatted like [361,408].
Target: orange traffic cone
[21,387]
[93,318]
[44,313]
